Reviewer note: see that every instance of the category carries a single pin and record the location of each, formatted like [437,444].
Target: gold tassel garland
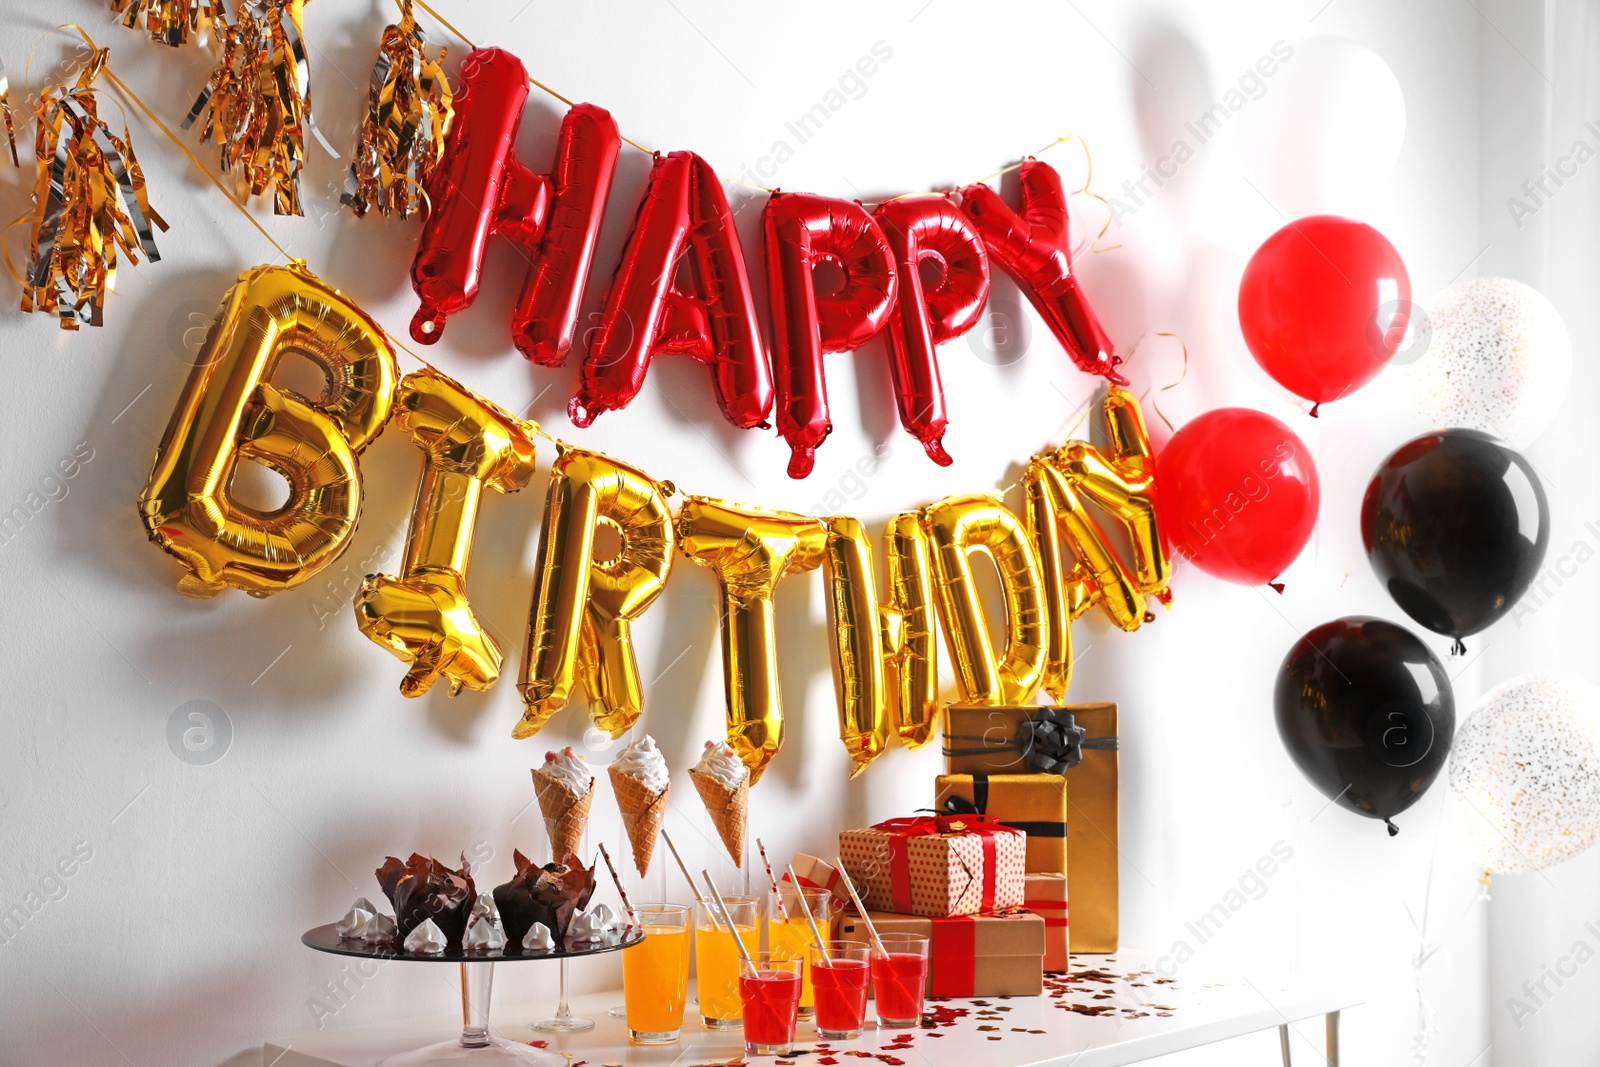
[169,22]
[89,201]
[258,99]
[409,108]
[5,112]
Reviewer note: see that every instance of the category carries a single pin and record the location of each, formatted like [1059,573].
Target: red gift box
[936,866]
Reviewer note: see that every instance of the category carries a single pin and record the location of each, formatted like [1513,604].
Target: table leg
[1283,1043]
[1332,1039]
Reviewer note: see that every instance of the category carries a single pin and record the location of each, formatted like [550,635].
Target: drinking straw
[633,916]
[777,893]
[684,867]
[811,920]
[728,919]
[872,931]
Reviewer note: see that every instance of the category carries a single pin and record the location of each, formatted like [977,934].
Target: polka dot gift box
[936,866]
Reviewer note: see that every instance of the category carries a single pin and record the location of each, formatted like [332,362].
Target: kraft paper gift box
[1092,802]
[1036,804]
[1046,896]
[936,866]
[971,955]
[820,874]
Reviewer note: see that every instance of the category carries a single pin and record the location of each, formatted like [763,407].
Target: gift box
[969,955]
[1036,804]
[936,867]
[819,874]
[1046,896]
[1006,737]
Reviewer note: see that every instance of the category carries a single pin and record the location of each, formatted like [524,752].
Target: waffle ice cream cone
[728,809]
[565,816]
[643,811]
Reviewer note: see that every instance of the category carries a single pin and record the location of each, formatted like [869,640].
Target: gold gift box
[1036,804]
[1091,806]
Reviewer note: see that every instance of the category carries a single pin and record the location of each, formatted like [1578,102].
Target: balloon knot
[1393,829]
[936,452]
[801,461]
[426,328]
[1458,647]
[580,415]
[1276,587]
[1315,408]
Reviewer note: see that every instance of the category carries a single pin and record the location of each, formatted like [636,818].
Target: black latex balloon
[1456,526]
[1365,709]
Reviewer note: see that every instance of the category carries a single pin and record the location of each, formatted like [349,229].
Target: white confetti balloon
[1527,764]
[1499,361]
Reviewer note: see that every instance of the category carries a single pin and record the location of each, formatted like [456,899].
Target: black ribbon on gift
[978,805]
[1049,742]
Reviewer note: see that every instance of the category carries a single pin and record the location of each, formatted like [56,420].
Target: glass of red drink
[839,981]
[899,976]
[770,996]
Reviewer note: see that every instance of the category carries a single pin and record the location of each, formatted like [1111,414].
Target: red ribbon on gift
[901,830]
[1053,912]
[953,956]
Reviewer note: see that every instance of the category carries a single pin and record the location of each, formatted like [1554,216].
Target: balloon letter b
[583,610]
[229,411]
[423,616]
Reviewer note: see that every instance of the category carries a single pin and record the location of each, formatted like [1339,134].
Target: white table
[1201,1013]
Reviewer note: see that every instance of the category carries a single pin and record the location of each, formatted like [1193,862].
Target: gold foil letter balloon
[958,526]
[229,411]
[858,637]
[1080,568]
[580,628]
[751,550]
[423,615]
[908,625]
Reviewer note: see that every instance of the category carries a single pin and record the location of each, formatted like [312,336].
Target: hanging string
[1184,373]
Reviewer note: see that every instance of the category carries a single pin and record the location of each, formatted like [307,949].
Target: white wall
[177,942]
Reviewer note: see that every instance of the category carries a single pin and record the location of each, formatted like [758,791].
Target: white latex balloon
[1500,361]
[1527,763]
[1327,131]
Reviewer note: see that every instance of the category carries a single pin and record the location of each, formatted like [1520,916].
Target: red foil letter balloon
[803,231]
[930,230]
[480,190]
[683,210]
[1035,248]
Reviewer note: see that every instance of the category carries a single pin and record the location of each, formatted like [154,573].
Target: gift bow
[1049,742]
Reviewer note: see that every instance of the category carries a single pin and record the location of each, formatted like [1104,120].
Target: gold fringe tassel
[169,22]
[89,201]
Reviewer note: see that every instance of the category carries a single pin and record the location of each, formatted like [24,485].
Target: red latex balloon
[684,209]
[803,231]
[930,230]
[1237,494]
[1324,304]
[1035,248]
[478,189]
[546,314]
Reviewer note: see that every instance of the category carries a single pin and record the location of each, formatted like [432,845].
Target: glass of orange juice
[655,975]
[717,959]
[789,935]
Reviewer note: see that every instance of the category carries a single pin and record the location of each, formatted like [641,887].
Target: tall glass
[770,997]
[717,966]
[789,935]
[899,978]
[655,975]
[840,979]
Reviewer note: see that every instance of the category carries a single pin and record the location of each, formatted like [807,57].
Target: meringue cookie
[538,939]
[487,908]
[427,939]
[379,929]
[605,917]
[484,933]
[587,927]
[355,921]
